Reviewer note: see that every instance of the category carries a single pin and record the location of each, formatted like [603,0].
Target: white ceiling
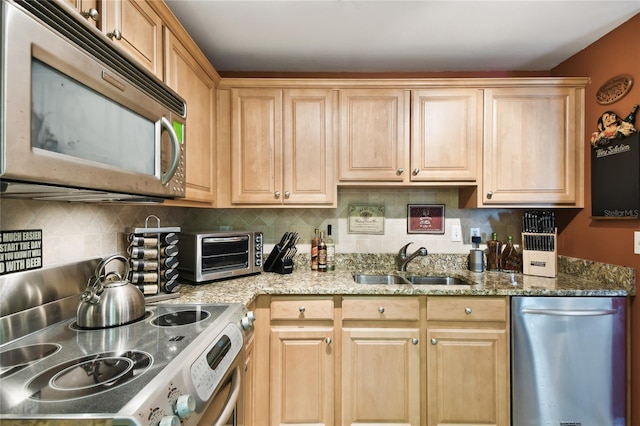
[397,36]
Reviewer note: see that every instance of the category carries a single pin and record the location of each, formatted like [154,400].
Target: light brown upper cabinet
[533,151]
[282,146]
[90,9]
[136,27]
[194,82]
[374,135]
[446,134]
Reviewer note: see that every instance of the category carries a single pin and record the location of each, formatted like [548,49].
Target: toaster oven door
[226,254]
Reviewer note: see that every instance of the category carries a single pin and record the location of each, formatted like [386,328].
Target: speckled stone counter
[583,278]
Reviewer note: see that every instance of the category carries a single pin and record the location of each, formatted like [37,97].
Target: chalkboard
[615,178]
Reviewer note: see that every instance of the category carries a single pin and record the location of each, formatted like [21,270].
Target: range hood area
[36,191]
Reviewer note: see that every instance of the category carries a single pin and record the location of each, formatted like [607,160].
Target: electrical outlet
[636,242]
[474,232]
[456,233]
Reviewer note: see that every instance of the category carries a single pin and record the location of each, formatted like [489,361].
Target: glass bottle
[510,259]
[631,118]
[494,248]
[322,253]
[314,249]
[331,251]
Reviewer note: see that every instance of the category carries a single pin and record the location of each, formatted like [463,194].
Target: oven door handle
[233,399]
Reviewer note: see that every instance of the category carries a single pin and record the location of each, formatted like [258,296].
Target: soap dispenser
[476,256]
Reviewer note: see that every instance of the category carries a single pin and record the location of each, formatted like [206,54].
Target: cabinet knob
[117,34]
[400,171]
[287,194]
[434,341]
[467,310]
[416,171]
[328,340]
[301,309]
[489,195]
[91,13]
[415,341]
[381,310]
[277,194]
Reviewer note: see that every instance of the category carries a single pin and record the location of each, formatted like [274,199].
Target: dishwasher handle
[570,313]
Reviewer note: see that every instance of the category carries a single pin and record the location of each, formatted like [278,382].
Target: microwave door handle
[233,399]
[166,177]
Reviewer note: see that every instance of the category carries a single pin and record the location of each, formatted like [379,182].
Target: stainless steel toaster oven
[210,256]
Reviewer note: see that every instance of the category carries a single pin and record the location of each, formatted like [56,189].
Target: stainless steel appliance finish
[568,361]
[137,374]
[80,119]
[179,364]
[209,256]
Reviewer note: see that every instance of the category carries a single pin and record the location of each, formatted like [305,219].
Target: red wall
[608,241]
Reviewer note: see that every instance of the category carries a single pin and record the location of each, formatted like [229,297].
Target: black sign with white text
[20,250]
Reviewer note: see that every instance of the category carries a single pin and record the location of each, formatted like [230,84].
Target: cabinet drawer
[303,308]
[381,308]
[466,309]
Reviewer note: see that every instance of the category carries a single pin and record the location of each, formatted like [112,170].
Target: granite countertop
[577,280]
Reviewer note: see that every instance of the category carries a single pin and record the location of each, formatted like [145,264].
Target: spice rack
[153,259]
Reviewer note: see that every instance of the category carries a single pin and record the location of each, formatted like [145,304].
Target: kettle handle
[99,273]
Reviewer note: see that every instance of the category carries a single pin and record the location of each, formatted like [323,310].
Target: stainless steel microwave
[79,114]
[210,256]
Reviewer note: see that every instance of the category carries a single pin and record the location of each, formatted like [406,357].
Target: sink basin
[379,279]
[411,279]
[424,280]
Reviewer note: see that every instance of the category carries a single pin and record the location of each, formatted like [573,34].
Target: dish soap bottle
[494,248]
[511,259]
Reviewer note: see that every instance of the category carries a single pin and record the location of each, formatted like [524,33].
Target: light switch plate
[636,242]
[456,233]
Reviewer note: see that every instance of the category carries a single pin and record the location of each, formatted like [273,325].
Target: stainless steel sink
[424,280]
[379,279]
[411,279]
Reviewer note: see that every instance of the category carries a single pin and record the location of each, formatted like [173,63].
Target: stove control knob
[247,320]
[185,405]
[169,421]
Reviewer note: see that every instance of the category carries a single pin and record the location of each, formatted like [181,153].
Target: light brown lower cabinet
[381,360]
[467,361]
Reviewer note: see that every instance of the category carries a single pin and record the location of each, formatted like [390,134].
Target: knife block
[540,254]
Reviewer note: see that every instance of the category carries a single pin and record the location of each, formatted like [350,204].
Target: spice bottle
[494,248]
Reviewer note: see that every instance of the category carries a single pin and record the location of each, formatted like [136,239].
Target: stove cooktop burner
[89,375]
[75,327]
[174,319]
[14,360]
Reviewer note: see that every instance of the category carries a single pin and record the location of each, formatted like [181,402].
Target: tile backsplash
[77,231]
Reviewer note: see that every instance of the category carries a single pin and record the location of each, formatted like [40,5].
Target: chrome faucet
[403,259]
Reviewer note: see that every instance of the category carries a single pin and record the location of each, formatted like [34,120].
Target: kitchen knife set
[539,222]
[539,248]
[280,259]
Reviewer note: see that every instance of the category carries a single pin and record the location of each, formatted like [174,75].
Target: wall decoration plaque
[366,219]
[614,89]
[425,218]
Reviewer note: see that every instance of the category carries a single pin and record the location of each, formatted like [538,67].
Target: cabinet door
[446,134]
[137,28]
[531,155]
[191,81]
[374,135]
[87,8]
[249,383]
[302,380]
[308,154]
[256,146]
[467,377]
[380,376]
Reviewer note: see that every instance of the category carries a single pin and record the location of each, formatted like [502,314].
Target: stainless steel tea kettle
[110,300]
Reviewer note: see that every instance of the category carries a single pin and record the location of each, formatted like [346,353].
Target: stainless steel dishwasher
[568,359]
